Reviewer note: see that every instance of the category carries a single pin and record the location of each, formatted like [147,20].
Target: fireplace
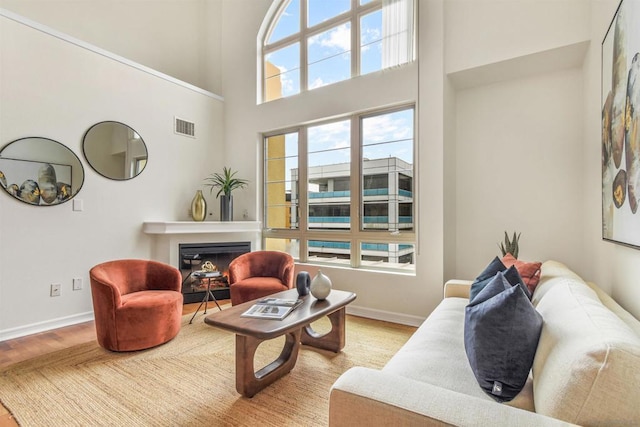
[192,255]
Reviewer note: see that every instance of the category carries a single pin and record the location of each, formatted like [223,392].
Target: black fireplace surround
[192,255]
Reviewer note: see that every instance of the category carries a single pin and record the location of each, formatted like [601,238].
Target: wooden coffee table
[296,327]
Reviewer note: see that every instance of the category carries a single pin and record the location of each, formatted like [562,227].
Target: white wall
[519,168]
[517,82]
[558,96]
[55,89]
[481,32]
[176,37]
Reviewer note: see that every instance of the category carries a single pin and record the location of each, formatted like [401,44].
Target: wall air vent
[184,127]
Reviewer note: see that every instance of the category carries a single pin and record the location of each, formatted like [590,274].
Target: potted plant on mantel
[225,182]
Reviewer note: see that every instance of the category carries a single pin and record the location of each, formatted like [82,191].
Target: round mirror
[40,171]
[114,150]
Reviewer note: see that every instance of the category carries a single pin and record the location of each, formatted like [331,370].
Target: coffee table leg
[333,340]
[248,382]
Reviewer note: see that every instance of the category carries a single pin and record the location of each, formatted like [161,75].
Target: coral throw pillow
[529,271]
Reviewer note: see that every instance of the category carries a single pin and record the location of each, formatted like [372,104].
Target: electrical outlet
[55,289]
[77,283]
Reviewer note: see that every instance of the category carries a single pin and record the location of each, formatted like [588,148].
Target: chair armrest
[457,288]
[365,397]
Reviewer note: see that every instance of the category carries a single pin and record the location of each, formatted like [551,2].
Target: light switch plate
[78,205]
[55,290]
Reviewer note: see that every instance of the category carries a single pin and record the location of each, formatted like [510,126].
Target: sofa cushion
[587,367]
[529,271]
[435,354]
[612,305]
[501,334]
[555,272]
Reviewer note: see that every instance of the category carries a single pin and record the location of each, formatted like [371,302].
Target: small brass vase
[198,207]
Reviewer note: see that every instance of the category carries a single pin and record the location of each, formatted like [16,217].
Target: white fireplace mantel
[168,235]
[203,227]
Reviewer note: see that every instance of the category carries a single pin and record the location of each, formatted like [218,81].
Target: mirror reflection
[40,171]
[115,150]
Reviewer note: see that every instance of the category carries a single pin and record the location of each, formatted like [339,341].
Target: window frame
[353,16]
[356,235]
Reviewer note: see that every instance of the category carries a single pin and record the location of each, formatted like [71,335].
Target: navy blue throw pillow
[501,333]
[495,266]
[513,277]
[511,274]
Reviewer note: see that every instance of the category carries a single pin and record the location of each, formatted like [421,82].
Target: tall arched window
[313,43]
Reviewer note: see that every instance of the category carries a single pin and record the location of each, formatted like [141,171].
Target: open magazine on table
[272,308]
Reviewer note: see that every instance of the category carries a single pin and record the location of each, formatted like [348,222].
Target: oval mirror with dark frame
[40,171]
[114,150]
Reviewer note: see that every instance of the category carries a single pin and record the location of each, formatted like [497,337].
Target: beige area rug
[189,381]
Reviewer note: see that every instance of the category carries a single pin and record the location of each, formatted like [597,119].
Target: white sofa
[586,369]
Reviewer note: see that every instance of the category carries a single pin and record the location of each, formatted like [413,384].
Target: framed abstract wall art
[621,126]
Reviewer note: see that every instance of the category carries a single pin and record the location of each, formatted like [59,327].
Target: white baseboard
[34,328]
[387,316]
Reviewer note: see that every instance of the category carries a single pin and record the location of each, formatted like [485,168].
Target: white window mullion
[355,185]
[304,35]
[355,39]
[416,180]
[281,43]
[303,187]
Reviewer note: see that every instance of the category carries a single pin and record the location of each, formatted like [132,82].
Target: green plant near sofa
[510,246]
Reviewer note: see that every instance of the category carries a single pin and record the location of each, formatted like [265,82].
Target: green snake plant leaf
[510,246]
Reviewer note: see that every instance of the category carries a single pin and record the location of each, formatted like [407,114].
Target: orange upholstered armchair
[137,303]
[258,274]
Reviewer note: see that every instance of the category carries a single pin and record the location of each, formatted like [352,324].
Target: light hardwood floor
[19,349]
